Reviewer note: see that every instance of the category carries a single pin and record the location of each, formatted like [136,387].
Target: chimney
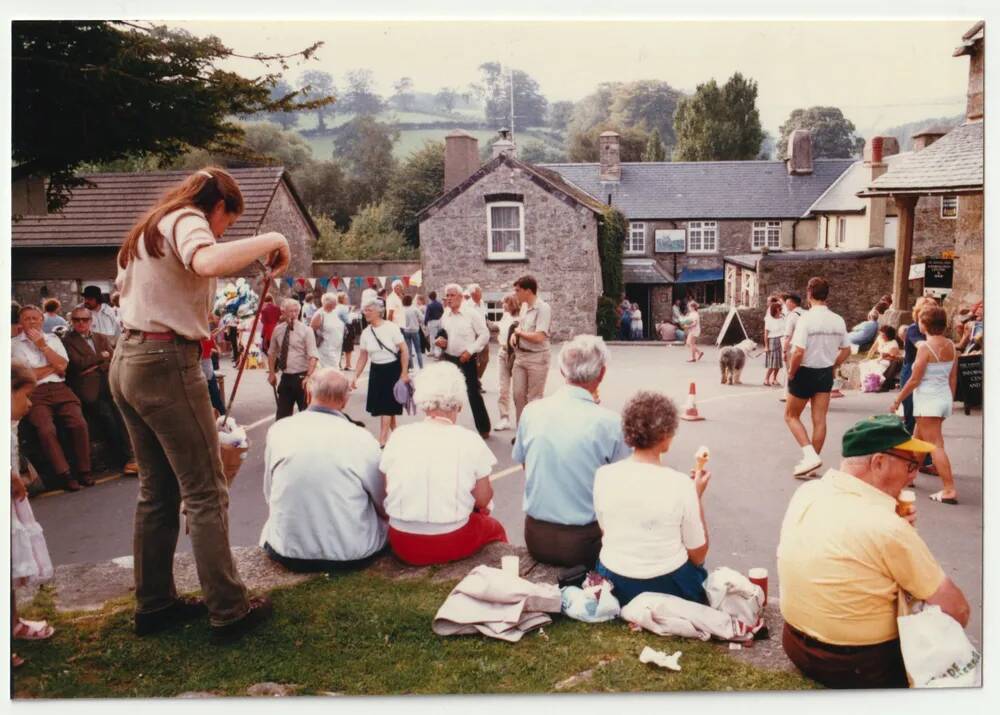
[611,162]
[876,149]
[461,157]
[923,139]
[800,155]
[27,197]
[973,42]
[890,146]
[504,145]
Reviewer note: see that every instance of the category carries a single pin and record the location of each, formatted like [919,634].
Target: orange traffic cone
[690,408]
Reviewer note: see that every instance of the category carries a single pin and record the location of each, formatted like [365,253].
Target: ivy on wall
[610,246]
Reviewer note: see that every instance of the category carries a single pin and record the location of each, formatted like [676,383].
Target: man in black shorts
[818,347]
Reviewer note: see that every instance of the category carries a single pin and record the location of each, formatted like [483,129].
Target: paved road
[752,457]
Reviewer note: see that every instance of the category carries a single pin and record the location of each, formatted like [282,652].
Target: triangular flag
[357,281]
[371,281]
[312,282]
[417,279]
[381,281]
[324,283]
[277,285]
[335,282]
[290,282]
[406,281]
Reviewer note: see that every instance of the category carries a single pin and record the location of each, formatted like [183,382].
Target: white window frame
[494,310]
[841,232]
[501,255]
[636,231]
[950,197]
[699,229]
[761,233]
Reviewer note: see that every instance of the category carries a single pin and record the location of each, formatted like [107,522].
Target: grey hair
[377,303]
[456,286]
[440,386]
[289,303]
[473,287]
[581,359]
[327,384]
[860,462]
[329,299]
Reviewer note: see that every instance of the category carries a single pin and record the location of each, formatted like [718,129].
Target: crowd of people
[596,492]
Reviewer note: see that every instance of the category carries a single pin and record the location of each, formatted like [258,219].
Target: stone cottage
[57,254]
[947,177]
[499,221]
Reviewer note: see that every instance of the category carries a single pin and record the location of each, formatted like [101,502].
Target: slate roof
[952,163]
[749,260]
[842,196]
[707,189]
[100,214]
[644,270]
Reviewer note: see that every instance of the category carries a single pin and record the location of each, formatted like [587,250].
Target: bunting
[406,281]
[371,281]
[417,279]
[312,282]
[324,283]
[381,281]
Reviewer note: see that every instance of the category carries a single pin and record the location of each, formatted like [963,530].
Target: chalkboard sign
[970,381]
[938,272]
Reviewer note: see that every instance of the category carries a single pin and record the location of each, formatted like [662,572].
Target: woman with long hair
[774,330]
[932,384]
[167,270]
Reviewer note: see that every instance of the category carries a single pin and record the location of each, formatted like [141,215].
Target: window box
[505,231]
[703,237]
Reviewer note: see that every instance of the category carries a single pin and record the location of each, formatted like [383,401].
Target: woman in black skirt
[383,343]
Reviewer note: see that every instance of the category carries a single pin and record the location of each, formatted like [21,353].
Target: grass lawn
[361,634]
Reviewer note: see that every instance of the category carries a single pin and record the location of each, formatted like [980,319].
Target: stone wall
[560,247]
[932,235]
[660,305]
[967,287]
[712,319]
[285,217]
[30,292]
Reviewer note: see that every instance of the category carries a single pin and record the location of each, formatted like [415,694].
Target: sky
[880,73]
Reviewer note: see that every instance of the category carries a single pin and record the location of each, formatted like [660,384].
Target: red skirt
[424,549]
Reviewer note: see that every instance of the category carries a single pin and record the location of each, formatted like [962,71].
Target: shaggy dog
[732,359]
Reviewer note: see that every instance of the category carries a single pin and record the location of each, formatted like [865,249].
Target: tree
[719,123]
[319,83]
[365,147]
[325,190]
[95,91]
[560,114]
[446,98]
[360,97]
[280,91]
[403,97]
[372,236]
[648,104]
[534,151]
[833,134]
[654,150]
[263,143]
[586,146]
[904,132]
[529,104]
[418,181]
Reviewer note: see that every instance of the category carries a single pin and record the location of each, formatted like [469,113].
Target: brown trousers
[846,667]
[482,360]
[52,403]
[562,544]
[161,391]
[531,369]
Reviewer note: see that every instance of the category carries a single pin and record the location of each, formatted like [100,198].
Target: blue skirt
[688,582]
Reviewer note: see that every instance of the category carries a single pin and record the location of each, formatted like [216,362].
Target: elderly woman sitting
[437,477]
[655,538]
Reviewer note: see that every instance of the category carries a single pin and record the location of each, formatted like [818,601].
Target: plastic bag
[936,651]
[231,434]
[593,603]
[735,595]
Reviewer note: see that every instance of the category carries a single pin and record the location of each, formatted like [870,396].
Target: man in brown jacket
[87,375]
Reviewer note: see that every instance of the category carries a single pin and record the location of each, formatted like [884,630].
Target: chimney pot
[800,152]
[610,150]
[461,158]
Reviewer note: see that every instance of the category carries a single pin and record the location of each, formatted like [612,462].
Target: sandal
[32,630]
[700,355]
[16,661]
[936,496]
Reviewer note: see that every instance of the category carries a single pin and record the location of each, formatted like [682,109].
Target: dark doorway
[638,293]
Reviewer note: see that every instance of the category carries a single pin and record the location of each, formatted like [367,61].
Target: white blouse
[430,470]
[390,335]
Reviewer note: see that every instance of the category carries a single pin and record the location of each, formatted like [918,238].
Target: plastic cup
[906,503]
[510,565]
[759,577]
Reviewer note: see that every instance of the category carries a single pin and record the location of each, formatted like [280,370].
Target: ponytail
[202,190]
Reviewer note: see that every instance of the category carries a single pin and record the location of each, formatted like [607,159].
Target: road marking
[258,423]
[505,472]
[738,394]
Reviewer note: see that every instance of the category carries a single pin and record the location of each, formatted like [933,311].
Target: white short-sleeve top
[389,334]
[430,470]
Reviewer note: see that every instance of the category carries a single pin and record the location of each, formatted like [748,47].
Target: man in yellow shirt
[844,556]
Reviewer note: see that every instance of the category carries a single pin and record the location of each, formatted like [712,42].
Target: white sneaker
[501,426]
[807,465]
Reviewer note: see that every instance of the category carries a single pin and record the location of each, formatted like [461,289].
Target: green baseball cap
[879,433]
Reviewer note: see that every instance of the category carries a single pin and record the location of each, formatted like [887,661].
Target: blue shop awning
[699,275]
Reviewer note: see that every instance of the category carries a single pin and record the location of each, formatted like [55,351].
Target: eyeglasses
[912,465]
[80,320]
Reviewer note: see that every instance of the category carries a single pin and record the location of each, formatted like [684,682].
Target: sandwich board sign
[733,331]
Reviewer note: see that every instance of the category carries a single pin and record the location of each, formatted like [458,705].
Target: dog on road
[732,359]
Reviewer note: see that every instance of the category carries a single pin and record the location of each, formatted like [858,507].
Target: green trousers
[161,391]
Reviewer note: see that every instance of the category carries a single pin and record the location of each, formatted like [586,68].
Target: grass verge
[361,634]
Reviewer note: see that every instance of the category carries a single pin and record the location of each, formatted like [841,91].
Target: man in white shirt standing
[53,404]
[394,311]
[465,335]
[104,317]
[322,484]
[475,302]
[819,345]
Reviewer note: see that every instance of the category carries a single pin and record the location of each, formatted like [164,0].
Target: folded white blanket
[668,615]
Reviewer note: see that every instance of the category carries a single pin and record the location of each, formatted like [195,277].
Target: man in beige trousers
[531,359]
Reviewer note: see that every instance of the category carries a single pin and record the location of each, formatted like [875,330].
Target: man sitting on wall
[51,401]
[561,440]
[89,355]
[322,484]
[845,557]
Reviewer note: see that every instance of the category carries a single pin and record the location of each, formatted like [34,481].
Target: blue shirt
[560,462]
[434,311]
